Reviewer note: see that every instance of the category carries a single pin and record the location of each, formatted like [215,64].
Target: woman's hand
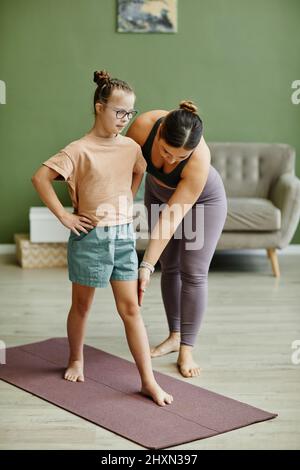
[75,222]
[144,280]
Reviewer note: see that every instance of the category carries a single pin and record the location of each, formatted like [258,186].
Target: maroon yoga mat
[110,396]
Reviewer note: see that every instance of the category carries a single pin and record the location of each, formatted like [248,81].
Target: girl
[103,170]
[180,176]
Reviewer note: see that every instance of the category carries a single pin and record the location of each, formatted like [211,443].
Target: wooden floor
[244,349]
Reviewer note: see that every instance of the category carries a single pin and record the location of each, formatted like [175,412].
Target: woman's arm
[184,197]
[136,182]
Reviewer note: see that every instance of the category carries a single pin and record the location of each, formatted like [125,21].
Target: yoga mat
[110,396]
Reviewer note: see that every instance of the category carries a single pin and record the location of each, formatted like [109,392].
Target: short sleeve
[62,163]
[140,163]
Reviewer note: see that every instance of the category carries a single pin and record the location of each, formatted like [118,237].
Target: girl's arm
[42,181]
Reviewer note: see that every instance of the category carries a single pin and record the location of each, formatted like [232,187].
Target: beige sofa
[263,197]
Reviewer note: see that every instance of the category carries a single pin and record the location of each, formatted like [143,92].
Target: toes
[196,372]
[161,402]
[184,372]
[67,375]
[71,377]
[169,399]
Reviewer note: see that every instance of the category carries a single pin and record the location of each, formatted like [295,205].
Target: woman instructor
[185,231]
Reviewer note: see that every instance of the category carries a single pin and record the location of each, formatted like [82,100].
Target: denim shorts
[103,254]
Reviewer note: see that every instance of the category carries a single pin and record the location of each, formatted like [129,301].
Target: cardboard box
[39,255]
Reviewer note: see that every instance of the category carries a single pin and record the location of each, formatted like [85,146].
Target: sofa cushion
[250,169]
[251,214]
[244,214]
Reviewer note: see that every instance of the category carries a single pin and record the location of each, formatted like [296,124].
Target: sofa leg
[272,254]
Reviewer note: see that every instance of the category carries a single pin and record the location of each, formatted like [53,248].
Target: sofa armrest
[285,194]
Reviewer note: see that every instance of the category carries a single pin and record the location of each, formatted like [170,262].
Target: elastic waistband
[160,192]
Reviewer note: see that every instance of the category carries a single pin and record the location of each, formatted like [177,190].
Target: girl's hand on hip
[144,280]
[76,222]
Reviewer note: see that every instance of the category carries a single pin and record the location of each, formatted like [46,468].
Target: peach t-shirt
[99,174]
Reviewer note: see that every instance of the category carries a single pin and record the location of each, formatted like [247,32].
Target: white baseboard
[10,248]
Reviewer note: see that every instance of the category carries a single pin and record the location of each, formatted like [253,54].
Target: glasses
[121,113]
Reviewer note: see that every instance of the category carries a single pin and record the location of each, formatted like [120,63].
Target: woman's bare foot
[158,395]
[74,372]
[186,364]
[171,344]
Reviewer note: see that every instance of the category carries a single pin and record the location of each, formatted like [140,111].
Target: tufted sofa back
[250,169]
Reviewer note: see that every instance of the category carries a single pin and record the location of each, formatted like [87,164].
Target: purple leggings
[184,271]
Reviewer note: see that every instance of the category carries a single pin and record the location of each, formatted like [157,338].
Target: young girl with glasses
[103,170]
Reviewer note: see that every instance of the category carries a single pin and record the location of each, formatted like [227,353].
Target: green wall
[237,59]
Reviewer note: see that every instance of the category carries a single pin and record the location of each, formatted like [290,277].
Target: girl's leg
[125,294]
[82,298]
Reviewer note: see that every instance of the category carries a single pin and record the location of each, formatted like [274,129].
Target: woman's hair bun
[101,76]
[188,106]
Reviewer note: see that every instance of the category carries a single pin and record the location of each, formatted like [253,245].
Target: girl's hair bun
[101,76]
[188,106]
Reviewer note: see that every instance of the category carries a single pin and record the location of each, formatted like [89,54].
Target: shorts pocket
[83,235]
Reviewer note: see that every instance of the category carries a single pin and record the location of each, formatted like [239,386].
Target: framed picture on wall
[147,16]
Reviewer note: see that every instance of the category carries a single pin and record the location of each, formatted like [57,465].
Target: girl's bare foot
[158,395]
[186,364]
[171,344]
[74,372]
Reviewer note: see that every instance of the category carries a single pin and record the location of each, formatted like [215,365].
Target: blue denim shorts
[103,254]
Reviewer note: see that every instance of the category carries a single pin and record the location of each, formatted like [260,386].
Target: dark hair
[182,127]
[106,85]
